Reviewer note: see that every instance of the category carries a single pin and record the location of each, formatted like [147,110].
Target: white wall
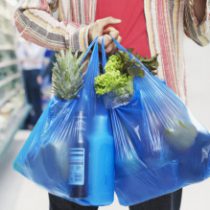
[197,197]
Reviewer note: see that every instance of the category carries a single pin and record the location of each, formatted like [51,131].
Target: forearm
[35,23]
[200,9]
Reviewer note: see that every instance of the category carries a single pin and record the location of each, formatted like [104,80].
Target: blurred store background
[18,111]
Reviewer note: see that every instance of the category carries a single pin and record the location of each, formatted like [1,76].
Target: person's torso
[133,26]
[164,21]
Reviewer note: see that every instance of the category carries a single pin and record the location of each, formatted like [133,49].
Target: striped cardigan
[61,24]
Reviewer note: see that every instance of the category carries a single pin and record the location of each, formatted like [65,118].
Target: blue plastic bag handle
[93,66]
[103,53]
[87,92]
[89,49]
[120,47]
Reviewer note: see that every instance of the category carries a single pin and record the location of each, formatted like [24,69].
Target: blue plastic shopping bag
[159,146]
[70,152]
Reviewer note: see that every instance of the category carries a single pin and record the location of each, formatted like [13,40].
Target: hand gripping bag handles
[159,146]
[70,152]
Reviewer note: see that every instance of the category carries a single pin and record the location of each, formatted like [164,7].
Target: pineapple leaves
[67,76]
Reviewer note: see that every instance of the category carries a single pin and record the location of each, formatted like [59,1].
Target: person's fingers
[108,21]
[119,39]
[107,40]
[113,49]
[112,32]
[109,29]
[110,48]
[97,28]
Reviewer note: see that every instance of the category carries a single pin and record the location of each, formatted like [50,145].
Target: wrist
[199,7]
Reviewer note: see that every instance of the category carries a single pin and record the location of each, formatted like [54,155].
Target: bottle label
[77,166]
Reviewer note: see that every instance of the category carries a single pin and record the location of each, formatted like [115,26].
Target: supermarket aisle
[17,193]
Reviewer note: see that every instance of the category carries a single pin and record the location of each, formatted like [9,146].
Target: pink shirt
[133,27]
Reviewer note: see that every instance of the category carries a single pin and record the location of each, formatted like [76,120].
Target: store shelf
[12,117]
[8,33]
[11,4]
[6,15]
[8,63]
[9,79]
[7,47]
[9,96]
[16,123]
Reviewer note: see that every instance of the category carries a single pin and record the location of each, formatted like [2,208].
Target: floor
[16,193]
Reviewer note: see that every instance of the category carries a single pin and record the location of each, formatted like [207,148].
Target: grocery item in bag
[66,152]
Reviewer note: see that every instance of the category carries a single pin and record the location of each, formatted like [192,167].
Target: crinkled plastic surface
[159,146]
[64,125]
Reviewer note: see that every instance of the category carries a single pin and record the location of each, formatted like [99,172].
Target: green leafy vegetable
[118,77]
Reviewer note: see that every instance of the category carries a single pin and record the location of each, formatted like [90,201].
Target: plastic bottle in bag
[101,161]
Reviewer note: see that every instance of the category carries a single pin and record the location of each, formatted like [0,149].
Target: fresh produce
[67,76]
[151,63]
[113,81]
[118,77]
[119,73]
[182,136]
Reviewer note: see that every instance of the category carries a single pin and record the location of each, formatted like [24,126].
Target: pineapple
[67,77]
